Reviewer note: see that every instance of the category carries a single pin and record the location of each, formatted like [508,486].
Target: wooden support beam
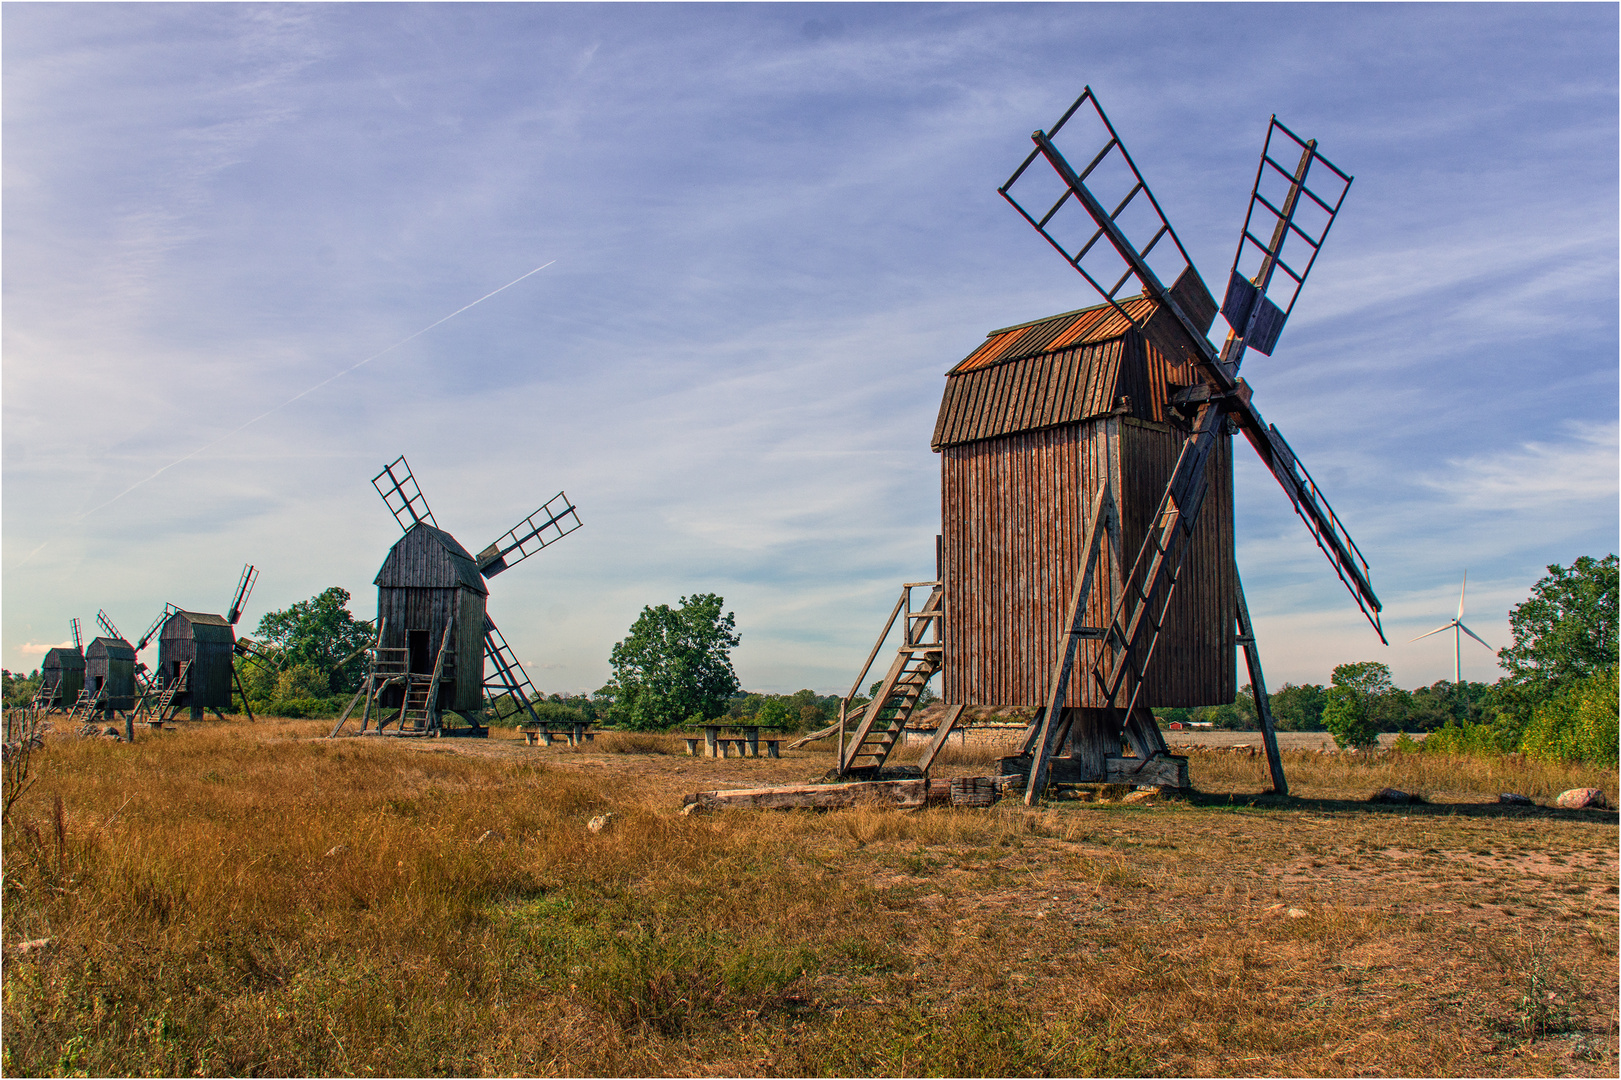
[901,794]
[947,722]
[1252,660]
[1058,689]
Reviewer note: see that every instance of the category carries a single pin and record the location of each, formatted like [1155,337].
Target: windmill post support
[1103,518]
[1252,660]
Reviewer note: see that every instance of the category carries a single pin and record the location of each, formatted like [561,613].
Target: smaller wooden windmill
[109,675]
[434,634]
[61,675]
[197,654]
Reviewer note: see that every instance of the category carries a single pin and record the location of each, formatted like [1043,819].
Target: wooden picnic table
[717,745]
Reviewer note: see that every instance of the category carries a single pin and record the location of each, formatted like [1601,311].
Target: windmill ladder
[920,654]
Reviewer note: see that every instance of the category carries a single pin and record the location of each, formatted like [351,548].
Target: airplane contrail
[300,394]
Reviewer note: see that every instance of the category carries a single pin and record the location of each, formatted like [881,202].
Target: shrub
[1467,738]
[1577,724]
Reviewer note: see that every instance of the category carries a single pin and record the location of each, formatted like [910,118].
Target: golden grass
[246,899]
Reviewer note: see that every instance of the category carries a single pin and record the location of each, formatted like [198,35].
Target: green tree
[20,689]
[675,665]
[320,632]
[1566,630]
[1357,698]
[1298,708]
[1564,633]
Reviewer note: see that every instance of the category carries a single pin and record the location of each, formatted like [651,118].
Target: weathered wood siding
[1012,512]
[206,641]
[110,663]
[427,579]
[63,670]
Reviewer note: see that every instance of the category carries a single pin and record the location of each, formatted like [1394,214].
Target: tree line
[1557,699]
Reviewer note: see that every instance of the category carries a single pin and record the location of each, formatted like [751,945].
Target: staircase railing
[921,629]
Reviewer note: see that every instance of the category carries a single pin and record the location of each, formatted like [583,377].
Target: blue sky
[770,230]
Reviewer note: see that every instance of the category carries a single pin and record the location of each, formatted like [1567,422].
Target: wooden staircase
[919,656]
[167,705]
[87,702]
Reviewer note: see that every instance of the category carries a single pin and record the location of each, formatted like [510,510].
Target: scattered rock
[489,836]
[337,849]
[1585,798]
[23,948]
[1393,795]
[1142,796]
[1295,913]
[598,823]
[1508,798]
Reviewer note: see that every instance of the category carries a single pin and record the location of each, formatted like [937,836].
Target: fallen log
[899,794]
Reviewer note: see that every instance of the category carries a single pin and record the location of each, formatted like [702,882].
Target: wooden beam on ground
[1161,770]
[898,794]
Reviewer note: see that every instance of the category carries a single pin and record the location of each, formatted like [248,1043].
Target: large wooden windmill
[433,632]
[1086,558]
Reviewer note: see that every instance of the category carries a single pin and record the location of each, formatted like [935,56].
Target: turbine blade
[1461,592]
[1437,630]
[1474,635]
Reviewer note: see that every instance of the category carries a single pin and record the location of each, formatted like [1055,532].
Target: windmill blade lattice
[401,494]
[1106,223]
[1298,228]
[553,521]
[157,623]
[1183,312]
[244,588]
[506,677]
[78,637]
[107,626]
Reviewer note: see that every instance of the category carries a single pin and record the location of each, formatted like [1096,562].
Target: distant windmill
[1458,630]
[197,655]
[433,632]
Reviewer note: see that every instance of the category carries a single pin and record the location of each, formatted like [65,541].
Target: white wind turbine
[1455,626]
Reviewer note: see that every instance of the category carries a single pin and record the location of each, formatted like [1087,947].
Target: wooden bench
[545,736]
[726,747]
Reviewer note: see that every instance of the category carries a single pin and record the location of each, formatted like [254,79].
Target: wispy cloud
[1537,476]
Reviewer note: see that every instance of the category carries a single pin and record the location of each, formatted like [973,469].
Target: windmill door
[419,652]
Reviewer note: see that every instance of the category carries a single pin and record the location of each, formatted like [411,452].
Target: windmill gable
[429,558]
[63,660]
[198,626]
[1061,370]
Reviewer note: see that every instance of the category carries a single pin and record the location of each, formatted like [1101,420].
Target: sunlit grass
[244,899]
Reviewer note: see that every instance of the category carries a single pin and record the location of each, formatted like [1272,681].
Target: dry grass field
[251,899]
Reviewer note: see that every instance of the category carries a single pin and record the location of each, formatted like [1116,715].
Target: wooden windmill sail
[1086,555]
[434,634]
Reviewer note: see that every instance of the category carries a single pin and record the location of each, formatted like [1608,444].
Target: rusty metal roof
[1061,370]
[1088,326]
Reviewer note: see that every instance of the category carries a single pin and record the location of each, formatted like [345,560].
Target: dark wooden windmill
[61,675]
[197,654]
[1086,472]
[109,674]
[434,634]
